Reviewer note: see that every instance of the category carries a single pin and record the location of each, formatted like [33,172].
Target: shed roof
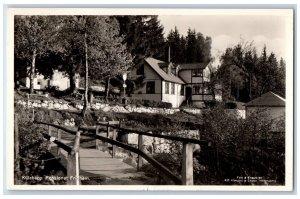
[268,99]
[155,65]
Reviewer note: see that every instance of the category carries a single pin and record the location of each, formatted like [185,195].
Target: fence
[103,134]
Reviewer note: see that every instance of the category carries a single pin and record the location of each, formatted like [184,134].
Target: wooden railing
[95,132]
[73,152]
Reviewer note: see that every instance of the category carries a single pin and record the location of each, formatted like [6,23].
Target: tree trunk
[107,88]
[73,86]
[32,72]
[86,78]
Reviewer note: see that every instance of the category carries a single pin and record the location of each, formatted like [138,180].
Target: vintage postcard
[150,99]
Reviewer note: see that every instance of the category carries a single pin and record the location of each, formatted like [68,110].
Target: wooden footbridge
[83,162]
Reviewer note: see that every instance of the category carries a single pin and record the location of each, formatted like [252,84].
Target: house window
[197,89]
[167,88]
[181,90]
[140,70]
[150,87]
[172,88]
[197,73]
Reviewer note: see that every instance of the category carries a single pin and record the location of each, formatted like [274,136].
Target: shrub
[241,147]
[33,149]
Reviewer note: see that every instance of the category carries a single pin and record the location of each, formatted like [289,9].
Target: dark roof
[268,99]
[193,66]
[155,65]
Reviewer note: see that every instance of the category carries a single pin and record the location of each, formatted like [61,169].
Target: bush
[33,150]
[241,147]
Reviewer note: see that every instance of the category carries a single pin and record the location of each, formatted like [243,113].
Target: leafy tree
[95,41]
[33,37]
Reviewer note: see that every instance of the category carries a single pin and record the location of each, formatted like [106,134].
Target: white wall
[142,90]
[186,75]
[153,97]
[60,80]
[206,74]
[38,82]
[150,75]
[175,99]
[196,79]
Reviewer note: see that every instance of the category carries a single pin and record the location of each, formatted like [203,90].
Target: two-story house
[167,82]
[161,82]
[196,77]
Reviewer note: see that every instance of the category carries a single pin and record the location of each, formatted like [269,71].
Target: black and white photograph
[172,99]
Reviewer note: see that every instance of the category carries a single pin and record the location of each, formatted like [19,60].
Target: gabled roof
[268,99]
[155,65]
[193,66]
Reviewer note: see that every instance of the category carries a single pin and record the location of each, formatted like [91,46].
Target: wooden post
[97,133]
[140,146]
[32,114]
[73,163]
[49,130]
[107,135]
[114,147]
[27,100]
[100,145]
[49,133]
[114,135]
[17,145]
[59,139]
[187,164]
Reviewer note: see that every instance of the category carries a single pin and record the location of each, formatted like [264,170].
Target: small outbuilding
[273,104]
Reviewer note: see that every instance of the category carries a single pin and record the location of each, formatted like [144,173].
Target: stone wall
[63,105]
[159,145]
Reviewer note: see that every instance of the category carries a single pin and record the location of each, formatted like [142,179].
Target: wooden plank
[187,164]
[95,163]
[152,161]
[140,147]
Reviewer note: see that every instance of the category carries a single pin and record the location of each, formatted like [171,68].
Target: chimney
[168,54]
[177,70]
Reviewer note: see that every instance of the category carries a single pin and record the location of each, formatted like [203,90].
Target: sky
[272,30]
